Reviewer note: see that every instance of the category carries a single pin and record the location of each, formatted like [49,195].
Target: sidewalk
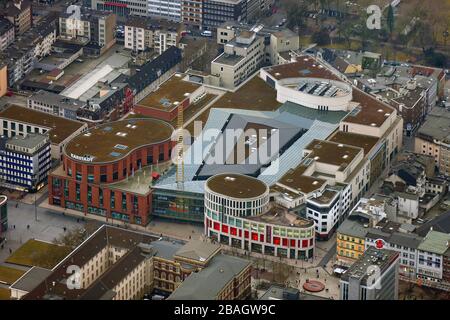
[179,231]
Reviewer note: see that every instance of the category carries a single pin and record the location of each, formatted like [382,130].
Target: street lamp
[35,208]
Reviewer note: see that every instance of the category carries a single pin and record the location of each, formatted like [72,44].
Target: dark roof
[101,289]
[54,286]
[5,25]
[152,70]
[441,223]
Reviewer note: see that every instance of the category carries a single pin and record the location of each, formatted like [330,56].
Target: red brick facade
[89,187]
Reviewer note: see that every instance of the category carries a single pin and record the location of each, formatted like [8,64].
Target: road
[330,253]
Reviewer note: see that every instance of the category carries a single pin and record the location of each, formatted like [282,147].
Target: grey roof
[319,126]
[207,284]
[441,223]
[166,249]
[198,250]
[405,240]
[57,100]
[5,25]
[354,227]
[30,141]
[383,259]
[276,292]
[437,125]
[31,279]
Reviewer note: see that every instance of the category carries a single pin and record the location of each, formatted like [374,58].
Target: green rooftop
[436,242]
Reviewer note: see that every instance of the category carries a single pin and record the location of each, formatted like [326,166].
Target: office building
[55,104]
[374,276]
[242,56]
[25,162]
[20,121]
[165,9]
[216,12]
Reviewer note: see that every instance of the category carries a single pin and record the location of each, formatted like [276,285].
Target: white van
[206,33]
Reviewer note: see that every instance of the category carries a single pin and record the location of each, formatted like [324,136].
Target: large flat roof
[59,128]
[371,111]
[333,153]
[169,94]
[382,259]
[236,185]
[113,141]
[354,139]
[295,180]
[304,67]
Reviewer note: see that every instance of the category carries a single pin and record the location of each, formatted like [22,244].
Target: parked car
[206,33]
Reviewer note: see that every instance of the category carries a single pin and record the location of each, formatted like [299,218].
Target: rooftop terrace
[280,216]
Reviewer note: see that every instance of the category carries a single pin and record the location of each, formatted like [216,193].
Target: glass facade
[178,205]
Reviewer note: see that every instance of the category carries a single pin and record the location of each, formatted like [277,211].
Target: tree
[321,38]
[296,13]
[390,20]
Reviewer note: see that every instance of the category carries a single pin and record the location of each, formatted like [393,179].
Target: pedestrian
[14,226]
[28,226]
[10,250]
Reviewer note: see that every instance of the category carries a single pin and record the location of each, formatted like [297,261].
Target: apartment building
[94,27]
[241,57]
[18,12]
[192,12]
[3,79]
[29,48]
[143,33]
[6,33]
[119,264]
[351,234]
[433,139]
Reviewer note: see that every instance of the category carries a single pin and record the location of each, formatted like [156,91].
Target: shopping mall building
[108,171]
[238,214]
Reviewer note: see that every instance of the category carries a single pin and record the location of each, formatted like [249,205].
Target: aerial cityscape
[224,150]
